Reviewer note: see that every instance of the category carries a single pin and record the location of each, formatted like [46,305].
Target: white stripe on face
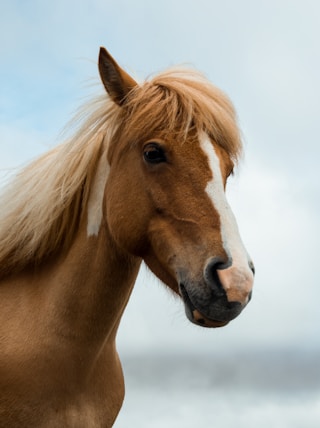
[95,209]
[230,236]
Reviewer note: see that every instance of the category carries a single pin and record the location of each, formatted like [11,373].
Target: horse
[142,178]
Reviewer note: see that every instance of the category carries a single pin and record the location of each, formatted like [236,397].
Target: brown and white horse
[142,179]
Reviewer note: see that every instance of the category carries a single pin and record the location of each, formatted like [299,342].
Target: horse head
[165,195]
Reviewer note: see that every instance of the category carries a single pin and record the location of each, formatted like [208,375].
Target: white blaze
[95,208]
[241,273]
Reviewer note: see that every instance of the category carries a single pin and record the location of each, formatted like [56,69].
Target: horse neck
[85,291]
[58,326]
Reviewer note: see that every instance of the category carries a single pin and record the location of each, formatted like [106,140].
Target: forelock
[178,101]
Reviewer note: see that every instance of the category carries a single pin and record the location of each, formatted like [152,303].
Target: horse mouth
[195,316]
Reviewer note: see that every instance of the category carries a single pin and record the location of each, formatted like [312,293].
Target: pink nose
[237,282]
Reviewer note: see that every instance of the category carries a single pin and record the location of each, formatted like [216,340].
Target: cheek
[161,255]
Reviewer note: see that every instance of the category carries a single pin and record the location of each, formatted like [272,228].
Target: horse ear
[117,82]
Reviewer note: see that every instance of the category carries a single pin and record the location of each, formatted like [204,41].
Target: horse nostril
[216,263]
[211,275]
[251,266]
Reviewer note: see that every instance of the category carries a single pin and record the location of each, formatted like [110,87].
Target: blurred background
[264,368]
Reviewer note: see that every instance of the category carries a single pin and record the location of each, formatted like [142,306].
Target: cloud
[18,146]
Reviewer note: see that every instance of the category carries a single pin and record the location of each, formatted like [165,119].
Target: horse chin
[202,321]
[195,316]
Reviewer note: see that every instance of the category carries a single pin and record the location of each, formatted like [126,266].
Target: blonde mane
[42,207]
[178,101]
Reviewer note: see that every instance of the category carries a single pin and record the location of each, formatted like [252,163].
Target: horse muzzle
[221,295]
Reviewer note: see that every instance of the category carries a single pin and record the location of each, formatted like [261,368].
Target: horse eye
[154,153]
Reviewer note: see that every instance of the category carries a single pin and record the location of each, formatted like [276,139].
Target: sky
[265,56]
